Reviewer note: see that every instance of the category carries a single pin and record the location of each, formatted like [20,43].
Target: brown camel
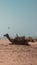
[17,40]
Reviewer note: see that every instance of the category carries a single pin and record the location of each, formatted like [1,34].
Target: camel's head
[6,35]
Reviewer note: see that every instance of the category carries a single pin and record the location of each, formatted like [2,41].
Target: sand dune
[17,54]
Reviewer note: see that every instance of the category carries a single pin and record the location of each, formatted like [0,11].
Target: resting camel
[17,40]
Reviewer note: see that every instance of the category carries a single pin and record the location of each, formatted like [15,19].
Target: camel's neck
[9,38]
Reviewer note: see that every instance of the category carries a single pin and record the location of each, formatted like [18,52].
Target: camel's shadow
[26,44]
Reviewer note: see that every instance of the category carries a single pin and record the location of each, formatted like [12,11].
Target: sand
[17,54]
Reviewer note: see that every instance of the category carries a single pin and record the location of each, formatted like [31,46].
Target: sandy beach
[18,54]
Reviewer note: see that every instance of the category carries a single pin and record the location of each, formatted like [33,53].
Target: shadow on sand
[20,43]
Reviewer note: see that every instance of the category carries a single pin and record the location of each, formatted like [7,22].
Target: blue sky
[20,16]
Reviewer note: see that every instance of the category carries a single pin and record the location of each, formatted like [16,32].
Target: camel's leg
[11,43]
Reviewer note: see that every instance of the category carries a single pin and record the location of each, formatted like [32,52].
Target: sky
[18,17]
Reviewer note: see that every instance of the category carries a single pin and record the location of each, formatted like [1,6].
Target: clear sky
[20,16]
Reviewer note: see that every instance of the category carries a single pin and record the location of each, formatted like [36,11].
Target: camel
[17,40]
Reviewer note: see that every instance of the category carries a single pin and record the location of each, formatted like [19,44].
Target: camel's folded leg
[26,43]
[10,43]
